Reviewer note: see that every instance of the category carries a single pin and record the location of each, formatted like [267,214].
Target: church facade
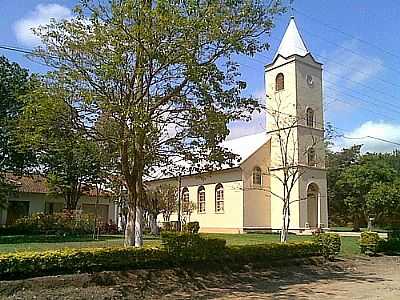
[287,159]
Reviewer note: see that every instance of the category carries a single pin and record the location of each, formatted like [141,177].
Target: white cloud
[41,15]
[345,70]
[380,129]
[345,66]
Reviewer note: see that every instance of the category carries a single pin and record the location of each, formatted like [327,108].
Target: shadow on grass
[26,239]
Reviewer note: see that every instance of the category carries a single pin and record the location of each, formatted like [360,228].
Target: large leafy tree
[383,202]
[357,181]
[50,126]
[13,83]
[158,80]
[336,164]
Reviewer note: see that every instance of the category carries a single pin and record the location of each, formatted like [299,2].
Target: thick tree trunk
[153,224]
[139,227]
[130,227]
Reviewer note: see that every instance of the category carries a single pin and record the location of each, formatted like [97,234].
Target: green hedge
[329,243]
[392,244]
[28,264]
[273,251]
[369,242]
[187,247]
[178,250]
[65,223]
[192,227]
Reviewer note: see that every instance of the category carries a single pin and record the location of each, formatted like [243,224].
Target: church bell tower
[295,123]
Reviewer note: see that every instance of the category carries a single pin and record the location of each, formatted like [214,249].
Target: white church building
[288,158]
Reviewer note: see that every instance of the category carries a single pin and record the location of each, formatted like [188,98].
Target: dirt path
[362,278]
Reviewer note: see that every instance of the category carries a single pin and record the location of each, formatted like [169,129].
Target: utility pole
[179,201]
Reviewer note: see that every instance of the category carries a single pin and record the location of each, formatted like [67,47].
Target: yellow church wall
[309,95]
[277,203]
[298,95]
[277,101]
[257,202]
[309,137]
[229,221]
[318,177]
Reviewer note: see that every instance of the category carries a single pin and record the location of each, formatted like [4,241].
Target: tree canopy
[363,186]
[157,81]
[49,126]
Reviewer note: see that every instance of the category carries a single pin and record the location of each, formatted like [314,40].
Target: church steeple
[292,43]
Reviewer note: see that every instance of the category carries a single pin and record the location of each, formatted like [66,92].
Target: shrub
[369,242]
[329,244]
[26,264]
[192,227]
[170,226]
[187,247]
[65,223]
[394,234]
[273,251]
[392,244]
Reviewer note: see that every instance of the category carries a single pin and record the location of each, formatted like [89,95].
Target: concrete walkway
[382,235]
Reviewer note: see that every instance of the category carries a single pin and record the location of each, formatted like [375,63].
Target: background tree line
[363,186]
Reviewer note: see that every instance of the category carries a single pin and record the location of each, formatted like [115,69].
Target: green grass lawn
[350,246]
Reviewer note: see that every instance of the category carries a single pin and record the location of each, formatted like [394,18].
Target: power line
[346,34]
[30,52]
[349,79]
[376,101]
[339,129]
[325,58]
[371,137]
[16,49]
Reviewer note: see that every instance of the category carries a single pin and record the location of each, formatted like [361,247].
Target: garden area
[186,266]
[94,263]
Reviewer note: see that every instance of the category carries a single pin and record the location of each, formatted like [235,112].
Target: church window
[257,176]
[279,82]
[185,199]
[201,199]
[311,157]
[310,117]
[219,198]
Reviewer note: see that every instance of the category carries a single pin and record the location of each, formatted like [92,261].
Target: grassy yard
[350,245]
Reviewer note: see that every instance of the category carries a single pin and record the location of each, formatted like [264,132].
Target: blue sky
[357,41]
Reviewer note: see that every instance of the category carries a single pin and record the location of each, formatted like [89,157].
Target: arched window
[257,176]
[279,82]
[310,117]
[185,199]
[311,157]
[219,198]
[201,199]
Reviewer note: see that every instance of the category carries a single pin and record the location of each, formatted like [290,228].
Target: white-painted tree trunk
[285,225]
[130,228]
[139,227]
[153,224]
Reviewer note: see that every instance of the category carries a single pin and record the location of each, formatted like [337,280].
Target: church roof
[245,146]
[292,42]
